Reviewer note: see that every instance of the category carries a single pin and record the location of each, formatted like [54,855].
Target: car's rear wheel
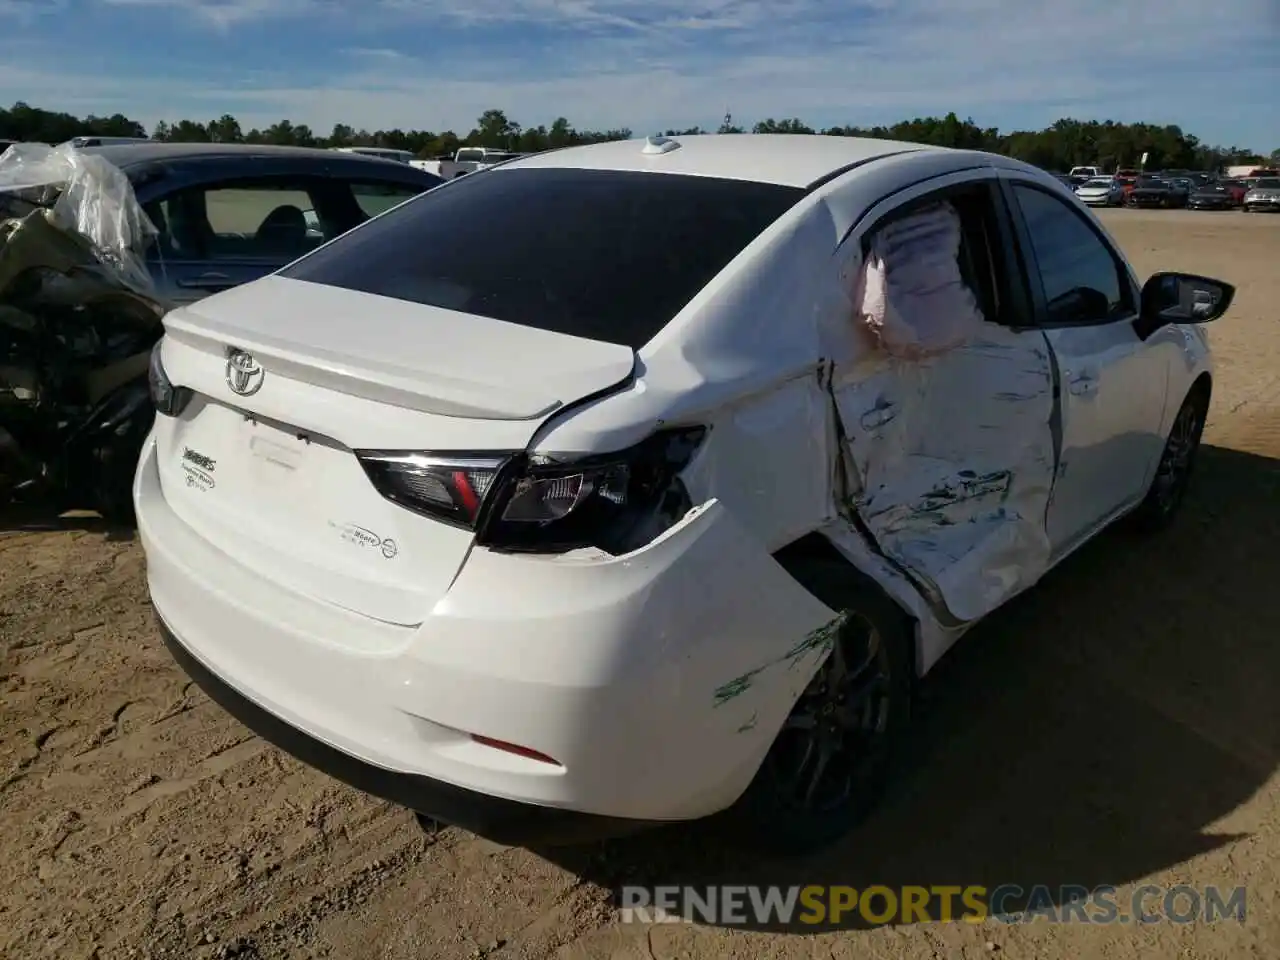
[1173,474]
[832,759]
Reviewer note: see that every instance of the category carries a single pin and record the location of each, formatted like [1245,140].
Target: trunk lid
[261,461]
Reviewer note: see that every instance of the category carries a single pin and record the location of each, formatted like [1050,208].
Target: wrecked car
[640,481]
[142,227]
[78,318]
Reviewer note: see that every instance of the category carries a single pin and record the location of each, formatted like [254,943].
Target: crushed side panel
[949,440]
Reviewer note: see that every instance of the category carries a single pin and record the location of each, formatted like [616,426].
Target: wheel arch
[1202,385]
[799,557]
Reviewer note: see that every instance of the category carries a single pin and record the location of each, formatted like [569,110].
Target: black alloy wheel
[832,759]
[1173,473]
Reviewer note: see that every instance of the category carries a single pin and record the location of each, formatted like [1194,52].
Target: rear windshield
[601,254]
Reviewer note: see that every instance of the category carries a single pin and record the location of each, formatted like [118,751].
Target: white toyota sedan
[634,482]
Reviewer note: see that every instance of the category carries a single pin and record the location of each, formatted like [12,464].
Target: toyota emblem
[244,376]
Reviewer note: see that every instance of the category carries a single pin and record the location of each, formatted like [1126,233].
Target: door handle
[207,281]
[1083,384]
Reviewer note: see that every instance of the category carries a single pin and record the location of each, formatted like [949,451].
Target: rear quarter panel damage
[691,650]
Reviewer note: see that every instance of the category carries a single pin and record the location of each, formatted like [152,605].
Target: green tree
[782,126]
[493,129]
[226,129]
[341,135]
[188,131]
[1065,143]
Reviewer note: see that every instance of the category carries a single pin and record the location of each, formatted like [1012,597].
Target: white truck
[466,160]
[1241,171]
[382,153]
[1090,172]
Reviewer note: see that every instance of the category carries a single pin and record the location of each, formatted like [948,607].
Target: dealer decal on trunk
[198,469]
[363,537]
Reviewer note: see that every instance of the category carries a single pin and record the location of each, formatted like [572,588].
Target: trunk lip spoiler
[432,393]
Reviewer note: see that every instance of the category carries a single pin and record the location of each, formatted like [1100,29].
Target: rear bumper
[612,667]
[504,821]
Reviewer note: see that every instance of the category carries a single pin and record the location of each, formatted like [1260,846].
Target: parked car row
[1176,189]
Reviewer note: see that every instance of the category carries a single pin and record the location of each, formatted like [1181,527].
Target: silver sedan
[1101,192]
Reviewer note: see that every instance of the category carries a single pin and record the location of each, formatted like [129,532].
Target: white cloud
[28,11]
[226,14]
[650,64]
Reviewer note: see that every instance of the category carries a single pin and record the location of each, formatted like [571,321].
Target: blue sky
[1211,67]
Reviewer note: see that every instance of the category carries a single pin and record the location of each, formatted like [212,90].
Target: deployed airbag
[910,291]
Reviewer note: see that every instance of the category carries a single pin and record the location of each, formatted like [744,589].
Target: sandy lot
[1118,725]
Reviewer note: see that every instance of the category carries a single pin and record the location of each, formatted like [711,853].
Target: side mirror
[1183,298]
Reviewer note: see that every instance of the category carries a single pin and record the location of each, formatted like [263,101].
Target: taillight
[519,502]
[168,399]
[452,489]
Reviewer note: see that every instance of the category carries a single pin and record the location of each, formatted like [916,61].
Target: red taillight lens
[452,489]
[615,502]
[537,504]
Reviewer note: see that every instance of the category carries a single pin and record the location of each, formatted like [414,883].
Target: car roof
[796,160]
[127,155]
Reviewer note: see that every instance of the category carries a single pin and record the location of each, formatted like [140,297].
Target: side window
[1083,281]
[276,222]
[375,198]
[980,255]
[267,222]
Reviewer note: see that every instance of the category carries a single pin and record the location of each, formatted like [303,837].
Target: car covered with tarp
[79,314]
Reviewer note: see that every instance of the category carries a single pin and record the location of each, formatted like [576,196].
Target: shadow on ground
[1087,735]
[42,518]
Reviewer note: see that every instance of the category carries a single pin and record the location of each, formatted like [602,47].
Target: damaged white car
[632,482]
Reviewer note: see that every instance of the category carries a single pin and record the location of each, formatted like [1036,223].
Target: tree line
[1064,144]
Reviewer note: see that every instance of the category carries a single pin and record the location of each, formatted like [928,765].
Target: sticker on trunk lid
[198,469]
[360,536]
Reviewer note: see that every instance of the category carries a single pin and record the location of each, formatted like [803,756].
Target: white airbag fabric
[910,292]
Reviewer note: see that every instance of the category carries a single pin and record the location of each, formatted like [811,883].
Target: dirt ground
[1118,725]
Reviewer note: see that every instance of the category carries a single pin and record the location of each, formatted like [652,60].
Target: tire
[858,704]
[1173,474]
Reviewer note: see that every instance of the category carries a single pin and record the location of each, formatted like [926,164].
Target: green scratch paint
[735,688]
[822,639]
[819,640]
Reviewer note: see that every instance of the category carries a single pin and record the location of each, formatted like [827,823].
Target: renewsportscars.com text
[879,905]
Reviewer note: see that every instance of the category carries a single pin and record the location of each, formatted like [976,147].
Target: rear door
[950,449]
